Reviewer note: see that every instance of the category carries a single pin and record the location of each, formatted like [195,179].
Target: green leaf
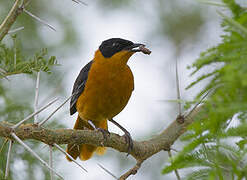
[12,61]
[225,105]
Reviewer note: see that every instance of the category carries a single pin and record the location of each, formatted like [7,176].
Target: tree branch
[141,149]
[16,10]
[10,19]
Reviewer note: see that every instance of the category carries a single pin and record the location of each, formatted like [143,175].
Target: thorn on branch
[8,159]
[178,90]
[15,30]
[38,19]
[51,161]
[107,171]
[180,118]
[36,97]
[45,120]
[80,2]
[34,154]
[34,113]
[64,152]
[209,91]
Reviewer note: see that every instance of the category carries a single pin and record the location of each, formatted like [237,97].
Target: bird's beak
[134,47]
[138,48]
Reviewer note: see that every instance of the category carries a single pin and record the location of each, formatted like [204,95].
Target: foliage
[35,35]
[12,61]
[189,20]
[217,148]
[27,54]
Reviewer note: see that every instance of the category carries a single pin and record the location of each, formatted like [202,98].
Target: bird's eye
[115,44]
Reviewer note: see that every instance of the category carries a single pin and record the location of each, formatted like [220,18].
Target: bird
[101,91]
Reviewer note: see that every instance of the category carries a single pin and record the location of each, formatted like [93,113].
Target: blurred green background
[174,29]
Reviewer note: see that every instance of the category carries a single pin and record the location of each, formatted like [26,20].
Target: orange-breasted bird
[102,90]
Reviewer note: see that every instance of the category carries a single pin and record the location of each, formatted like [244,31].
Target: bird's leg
[127,136]
[104,132]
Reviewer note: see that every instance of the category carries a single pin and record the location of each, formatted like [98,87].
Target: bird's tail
[85,151]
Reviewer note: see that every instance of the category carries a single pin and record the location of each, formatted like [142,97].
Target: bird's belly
[105,95]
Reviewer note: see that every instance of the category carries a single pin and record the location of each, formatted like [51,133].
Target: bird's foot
[104,132]
[126,135]
[128,141]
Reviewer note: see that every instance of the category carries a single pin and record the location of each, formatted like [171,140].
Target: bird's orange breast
[108,88]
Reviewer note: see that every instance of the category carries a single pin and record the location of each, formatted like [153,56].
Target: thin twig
[8,160]
[38,19]
[34,153]
[10,19]
[50,162]
[34,113]
[64,152]
[178,90]
[107,171]
[45,120]
[15,30]
[132,171]
[36,97]
[176,171]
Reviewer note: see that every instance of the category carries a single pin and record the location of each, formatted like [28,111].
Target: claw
[128,141]
[103,131]
[105,134]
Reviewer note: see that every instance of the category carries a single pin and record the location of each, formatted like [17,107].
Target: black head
[111,46]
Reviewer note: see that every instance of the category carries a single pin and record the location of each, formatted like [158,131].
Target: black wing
[79,86]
